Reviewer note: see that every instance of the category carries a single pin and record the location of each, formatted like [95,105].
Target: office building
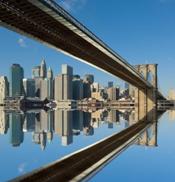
[63,84]
[43,69]
[66,69]
[63,87]
[4,88]
[113,93]
[97,92]
[29,87]
[77,85]
[36,72]
[87,81]
[88,78]
[86,90]
[44,90]
[50,83]
[38,87]
[110,84]
[39,74]
[16,83]
[95,87]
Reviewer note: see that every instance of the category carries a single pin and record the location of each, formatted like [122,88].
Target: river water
[36,138]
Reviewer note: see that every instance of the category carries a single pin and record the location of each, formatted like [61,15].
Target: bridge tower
[146,99]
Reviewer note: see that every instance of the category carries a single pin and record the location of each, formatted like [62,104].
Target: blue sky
[141,31]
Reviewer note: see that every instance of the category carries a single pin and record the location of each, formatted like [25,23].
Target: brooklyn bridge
[46,22]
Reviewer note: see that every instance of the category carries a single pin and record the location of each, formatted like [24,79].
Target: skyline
[150,38]
[65,87]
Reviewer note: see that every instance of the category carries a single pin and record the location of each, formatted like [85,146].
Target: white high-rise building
[63,84]
[4,88]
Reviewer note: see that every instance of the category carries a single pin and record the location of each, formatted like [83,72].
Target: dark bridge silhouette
[46,21]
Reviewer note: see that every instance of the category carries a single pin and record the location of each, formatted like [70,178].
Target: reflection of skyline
[4,122]
[44,124]
[65,123]
[16,129]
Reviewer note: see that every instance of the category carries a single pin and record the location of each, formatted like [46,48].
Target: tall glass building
[16,80]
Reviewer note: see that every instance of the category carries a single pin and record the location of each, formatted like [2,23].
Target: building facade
[63,84]
[29,87]
[113,93]
[4,88]
[16,80]
[77,85]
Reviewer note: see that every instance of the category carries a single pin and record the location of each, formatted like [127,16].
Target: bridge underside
[51,25]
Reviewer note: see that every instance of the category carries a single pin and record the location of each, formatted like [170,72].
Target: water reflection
[66,123]
[63,127]
[149,136]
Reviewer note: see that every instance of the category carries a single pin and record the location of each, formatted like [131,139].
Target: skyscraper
[66,69]
[87,81]
[44,92]
[88,78]
[36,72]
[50,73]
[29,87]
[43,81]
[63,84]
[110,84]
[113,93]
[86,90]
[16,77]
[77,85]
[50,83]
[43,69]
[4,88]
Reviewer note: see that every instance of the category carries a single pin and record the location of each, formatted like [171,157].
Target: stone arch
[150,77]
[148,72]
[142,74]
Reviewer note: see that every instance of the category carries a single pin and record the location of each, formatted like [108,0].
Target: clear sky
[141,31]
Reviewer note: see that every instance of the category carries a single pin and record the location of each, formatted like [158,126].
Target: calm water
[36,138]
[146,163]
